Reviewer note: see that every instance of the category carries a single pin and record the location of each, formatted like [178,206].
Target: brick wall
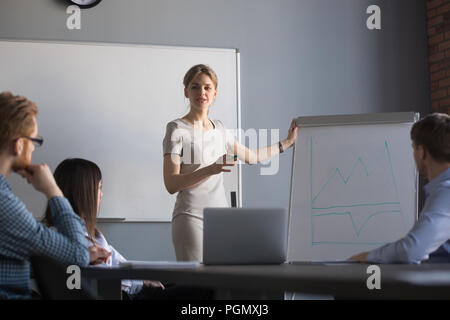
[438,13]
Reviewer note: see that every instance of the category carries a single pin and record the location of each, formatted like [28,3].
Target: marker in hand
[232,160]
[221,164]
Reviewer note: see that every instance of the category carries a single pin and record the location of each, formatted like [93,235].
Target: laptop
[244,236]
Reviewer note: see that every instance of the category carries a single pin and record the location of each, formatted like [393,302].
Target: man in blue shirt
[21,236]
[430,236]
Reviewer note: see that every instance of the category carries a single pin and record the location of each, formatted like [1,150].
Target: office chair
[51,278]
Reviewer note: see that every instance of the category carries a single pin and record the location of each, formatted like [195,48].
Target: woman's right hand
[98,255]
[220,165]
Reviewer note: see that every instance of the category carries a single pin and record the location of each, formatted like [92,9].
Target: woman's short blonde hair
[200,69]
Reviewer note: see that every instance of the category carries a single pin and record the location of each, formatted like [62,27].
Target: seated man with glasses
[21,235]
[38,141]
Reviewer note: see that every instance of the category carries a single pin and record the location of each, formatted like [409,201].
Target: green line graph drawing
[358,205]
[345,180]
[357,230]
[372,210]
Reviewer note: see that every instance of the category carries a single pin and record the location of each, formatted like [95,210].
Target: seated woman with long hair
[81,183]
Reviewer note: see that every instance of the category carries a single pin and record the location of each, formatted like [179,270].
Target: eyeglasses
[38,141]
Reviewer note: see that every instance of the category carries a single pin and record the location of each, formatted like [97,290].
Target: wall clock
[84,4]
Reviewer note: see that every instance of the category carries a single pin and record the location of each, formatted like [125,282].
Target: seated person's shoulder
[443,190]
[439,201]
[13,213]
[9,201]
[446,185]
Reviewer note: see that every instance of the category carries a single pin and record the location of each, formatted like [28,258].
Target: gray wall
[298,57]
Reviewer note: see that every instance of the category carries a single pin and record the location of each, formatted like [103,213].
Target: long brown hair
[79,181]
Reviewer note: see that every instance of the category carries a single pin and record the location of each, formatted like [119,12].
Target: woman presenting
[195,156]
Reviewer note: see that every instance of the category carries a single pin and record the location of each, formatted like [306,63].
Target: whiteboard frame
[352,119]
[357,119]
[121,44]
[239,124]
[236,51]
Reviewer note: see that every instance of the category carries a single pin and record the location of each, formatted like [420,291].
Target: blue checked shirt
[430,235]
[22,236]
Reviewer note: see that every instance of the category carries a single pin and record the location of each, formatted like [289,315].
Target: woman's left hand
[98,255]
[292,133]
[153,284]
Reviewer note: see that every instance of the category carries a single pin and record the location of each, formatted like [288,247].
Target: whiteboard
[353,187]
[110,103]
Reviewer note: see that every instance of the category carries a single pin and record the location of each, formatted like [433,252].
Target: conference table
[343,281]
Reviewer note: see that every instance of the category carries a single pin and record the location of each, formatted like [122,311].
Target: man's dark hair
[433,133]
